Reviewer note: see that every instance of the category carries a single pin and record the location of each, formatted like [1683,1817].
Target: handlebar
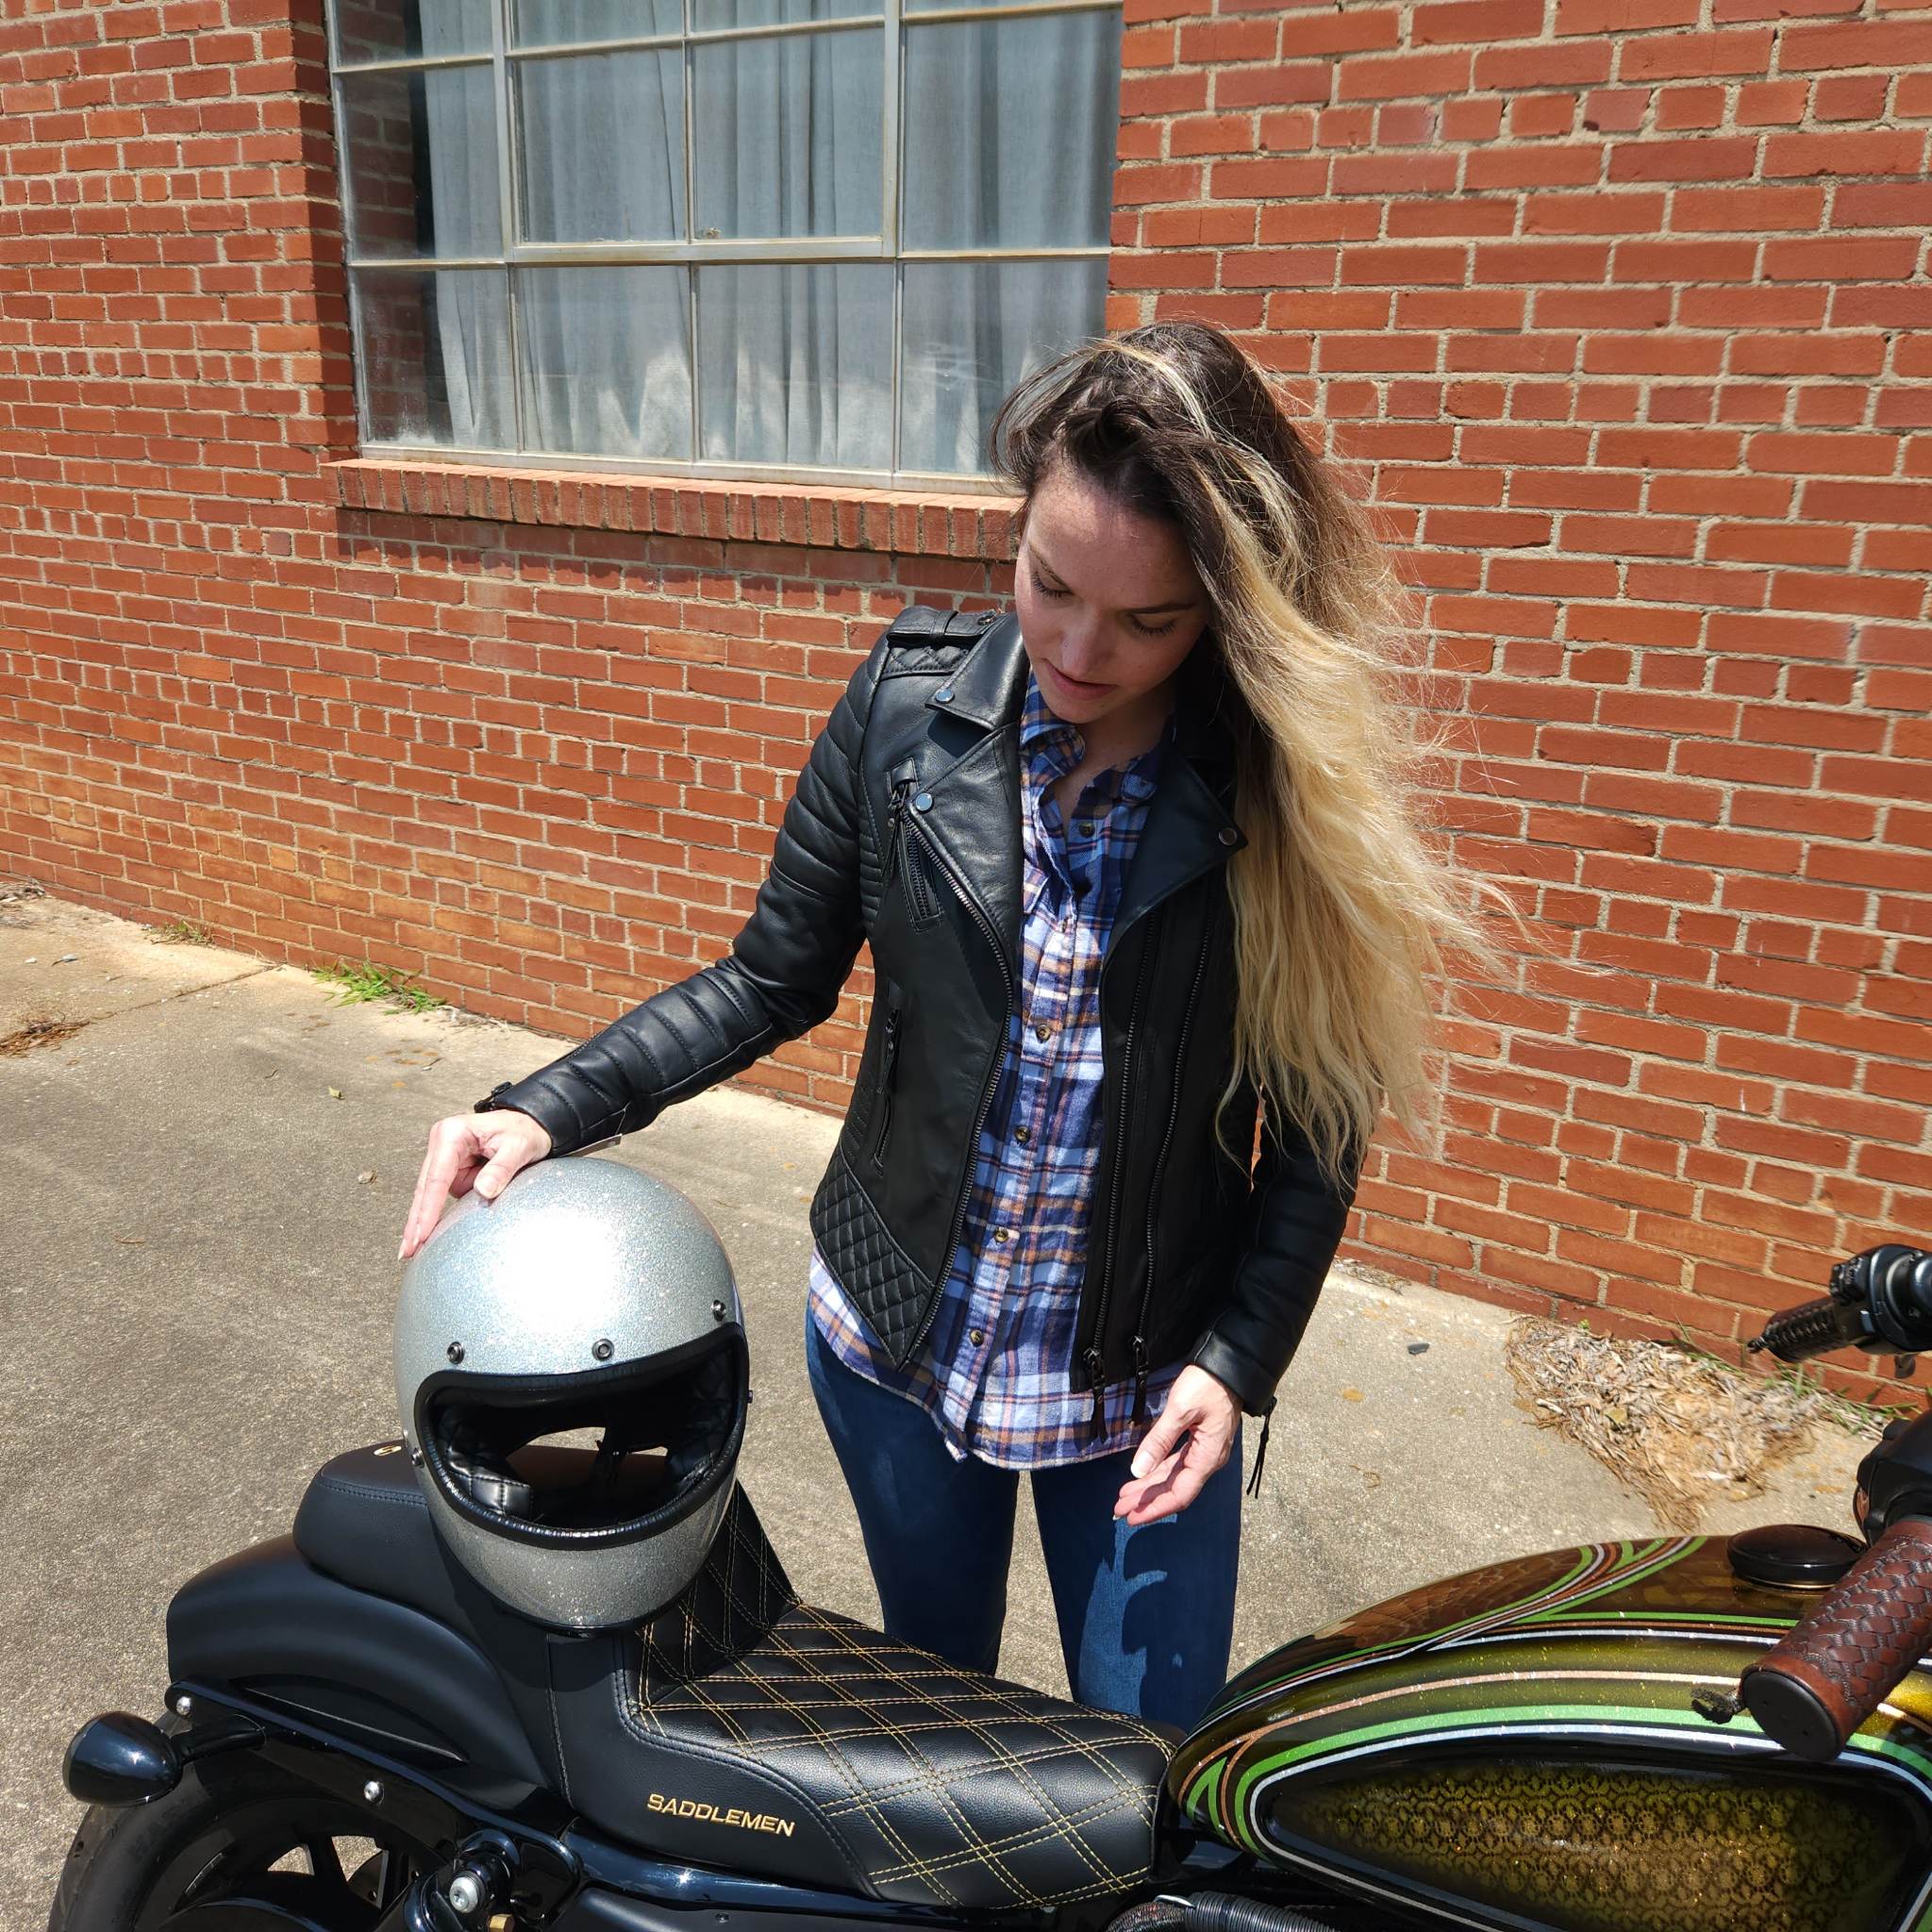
[1815,1328]
[1820,1682]
[1881,1300]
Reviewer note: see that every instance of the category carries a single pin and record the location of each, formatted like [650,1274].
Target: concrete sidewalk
[198,1286]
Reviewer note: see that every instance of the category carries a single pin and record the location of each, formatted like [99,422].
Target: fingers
[505,1162]
[481,1151]
[1135,1492]
[513,1141]
[1167,1488]
[449,1160]
[1160,1442]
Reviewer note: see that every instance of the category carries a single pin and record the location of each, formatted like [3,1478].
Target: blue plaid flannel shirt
[996,1372]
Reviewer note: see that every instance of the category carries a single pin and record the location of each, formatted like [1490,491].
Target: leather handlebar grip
[1820,1682]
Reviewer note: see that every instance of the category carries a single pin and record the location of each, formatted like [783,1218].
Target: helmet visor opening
[603,1454]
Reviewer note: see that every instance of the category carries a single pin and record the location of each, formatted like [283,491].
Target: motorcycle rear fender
[266,1624]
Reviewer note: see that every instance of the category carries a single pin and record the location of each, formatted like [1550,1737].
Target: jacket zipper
[1095,1362]
[889,1059]
[918,886]
[999,1060]
[1173,1111]
[895,814]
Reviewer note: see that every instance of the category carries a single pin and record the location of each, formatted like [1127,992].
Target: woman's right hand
[469,1150]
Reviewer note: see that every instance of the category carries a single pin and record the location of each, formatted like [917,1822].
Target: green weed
[1845,1411]
[180,932]
[370,981]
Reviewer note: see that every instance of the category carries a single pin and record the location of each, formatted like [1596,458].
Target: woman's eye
[1145,630]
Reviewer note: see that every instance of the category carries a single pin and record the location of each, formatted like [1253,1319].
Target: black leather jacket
[905,830]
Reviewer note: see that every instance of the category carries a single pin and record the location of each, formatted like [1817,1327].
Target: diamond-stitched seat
[937,1787]
[743,1729]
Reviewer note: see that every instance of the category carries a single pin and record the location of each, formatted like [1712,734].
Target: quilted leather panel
[871,1266]
[738,1594]
[942,1787]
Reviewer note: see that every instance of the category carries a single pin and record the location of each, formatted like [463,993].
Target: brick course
[1619,313]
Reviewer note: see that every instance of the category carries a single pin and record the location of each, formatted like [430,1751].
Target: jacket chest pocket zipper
[888,1060]
[919,885]
[905,854]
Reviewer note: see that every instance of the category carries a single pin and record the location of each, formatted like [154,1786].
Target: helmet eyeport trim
[659,1462]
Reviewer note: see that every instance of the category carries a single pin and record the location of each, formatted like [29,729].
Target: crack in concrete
[39,1033]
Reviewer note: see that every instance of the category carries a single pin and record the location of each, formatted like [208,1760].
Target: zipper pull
[1096,1429]
[896,812]
[1260,1453]
[1140,1381]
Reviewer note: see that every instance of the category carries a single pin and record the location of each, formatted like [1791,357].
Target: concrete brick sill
[974,528]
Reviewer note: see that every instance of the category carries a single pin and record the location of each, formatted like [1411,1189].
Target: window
[802,239]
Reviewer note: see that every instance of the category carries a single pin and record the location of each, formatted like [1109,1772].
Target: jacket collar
[989,686]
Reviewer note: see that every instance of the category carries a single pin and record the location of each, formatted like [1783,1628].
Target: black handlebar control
[1881,1300]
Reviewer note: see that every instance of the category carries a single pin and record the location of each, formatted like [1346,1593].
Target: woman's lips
[1079,686]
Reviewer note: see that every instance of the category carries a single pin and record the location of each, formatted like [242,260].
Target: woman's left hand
[1168,1472]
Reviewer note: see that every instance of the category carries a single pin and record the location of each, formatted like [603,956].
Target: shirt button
[1023,1135]
[1042,1033]
[1084,826]
[1000,1234]
[976,1336]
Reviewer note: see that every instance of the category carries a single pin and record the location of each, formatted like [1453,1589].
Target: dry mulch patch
[1677,1425]
[39,1033]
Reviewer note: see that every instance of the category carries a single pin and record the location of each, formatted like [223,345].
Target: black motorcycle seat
[364,1521]
[745,1729]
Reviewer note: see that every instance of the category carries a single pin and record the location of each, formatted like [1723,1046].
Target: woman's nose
[1081,650]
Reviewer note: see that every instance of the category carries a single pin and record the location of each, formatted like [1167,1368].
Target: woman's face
[1109,603]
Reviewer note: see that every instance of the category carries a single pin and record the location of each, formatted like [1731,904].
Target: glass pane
[1010,131]
[435,353]
[969,331]
[390,29]
[705,15]
[787,135]
[557,22]
[420,154]
[796,364]
[606,356]
[603,147]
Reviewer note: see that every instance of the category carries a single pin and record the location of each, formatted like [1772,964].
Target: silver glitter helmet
[593,1304]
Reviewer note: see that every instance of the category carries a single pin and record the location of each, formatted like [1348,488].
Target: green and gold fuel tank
[1516,1747]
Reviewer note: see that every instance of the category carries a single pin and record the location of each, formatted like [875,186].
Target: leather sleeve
[1298,1218]
[782,975]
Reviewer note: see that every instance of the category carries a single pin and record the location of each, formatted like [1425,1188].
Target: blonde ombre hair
[1343,910]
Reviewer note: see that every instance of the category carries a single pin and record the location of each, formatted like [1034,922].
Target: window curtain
[1008,129]
[465,325]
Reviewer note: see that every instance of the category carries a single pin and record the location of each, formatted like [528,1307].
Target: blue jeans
[1146,1615]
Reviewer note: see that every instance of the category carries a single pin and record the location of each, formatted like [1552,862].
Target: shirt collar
[1040,728]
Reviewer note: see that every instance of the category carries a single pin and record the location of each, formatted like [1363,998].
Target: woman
[1138,868]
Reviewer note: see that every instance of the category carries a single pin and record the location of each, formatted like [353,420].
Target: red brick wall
[1621,310]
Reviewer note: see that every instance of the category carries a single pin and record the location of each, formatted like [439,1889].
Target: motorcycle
[1674,1734]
